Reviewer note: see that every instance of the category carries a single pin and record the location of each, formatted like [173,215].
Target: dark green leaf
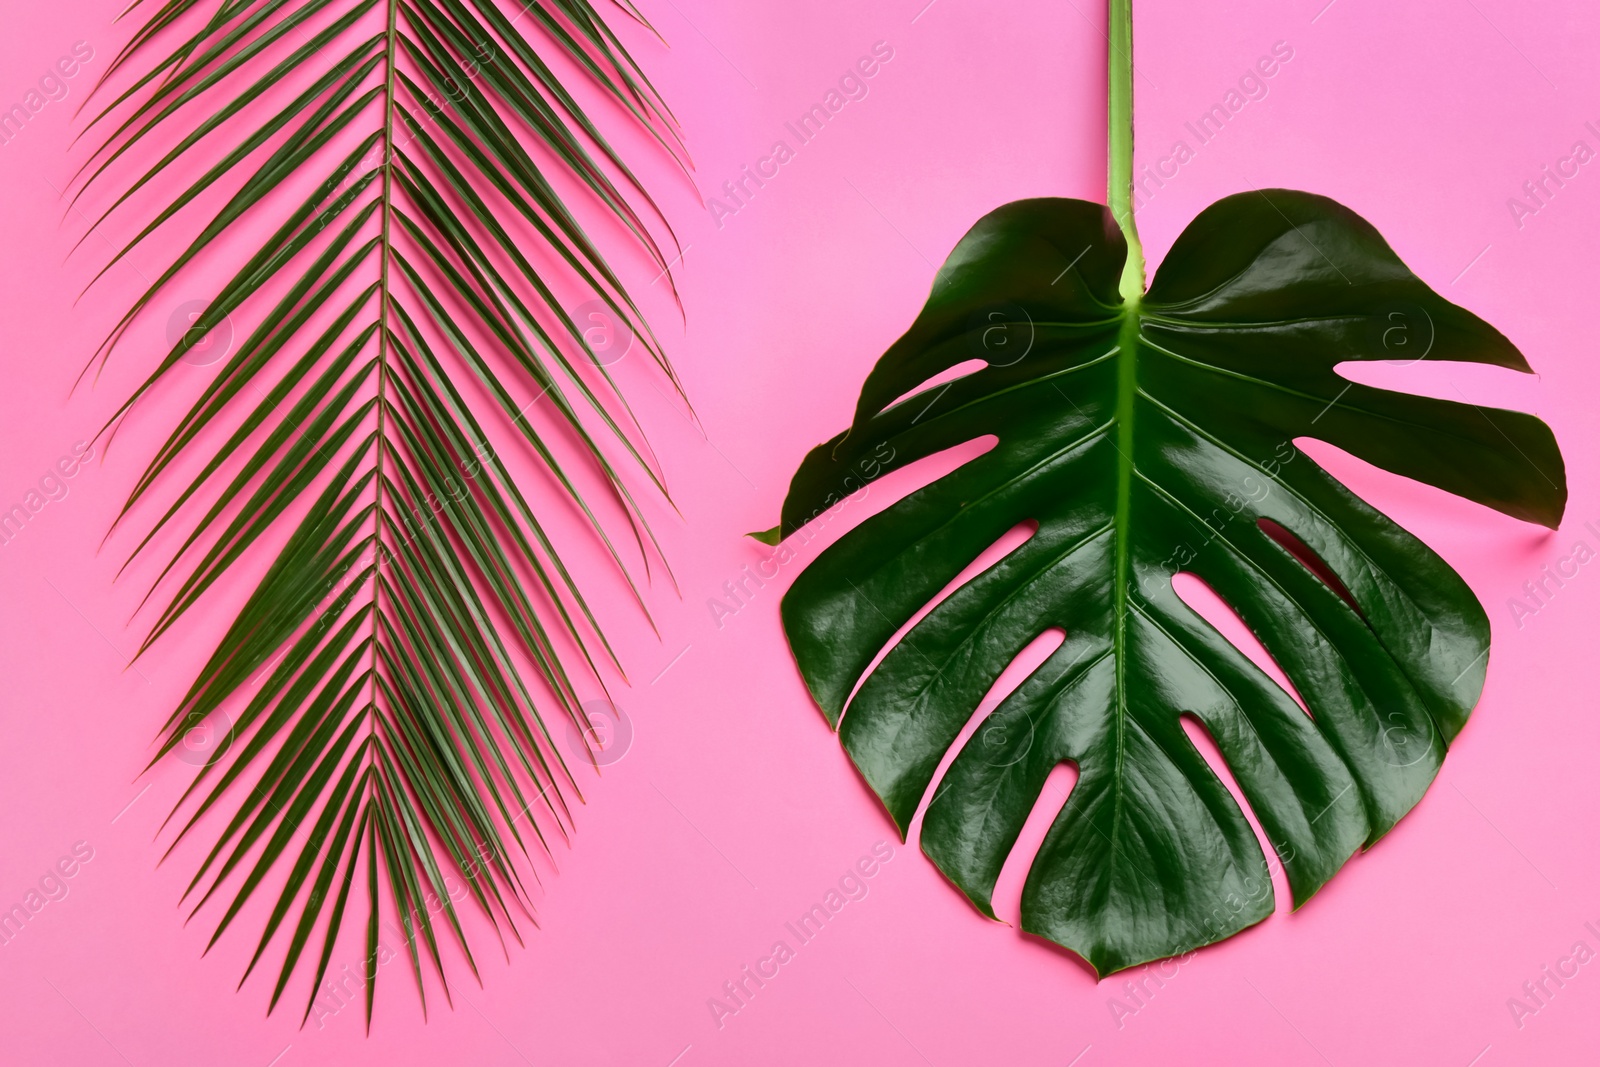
[1135,440]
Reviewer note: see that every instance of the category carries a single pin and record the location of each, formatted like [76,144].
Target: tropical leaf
[1139,434]
[419,169]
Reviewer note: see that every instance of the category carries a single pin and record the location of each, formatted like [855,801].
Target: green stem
[385,248]
[1119,195]
[1119,184]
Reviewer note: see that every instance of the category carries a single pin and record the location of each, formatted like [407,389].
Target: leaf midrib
[1128,338]
[386,196]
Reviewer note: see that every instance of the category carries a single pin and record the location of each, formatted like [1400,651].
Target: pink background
[734,809]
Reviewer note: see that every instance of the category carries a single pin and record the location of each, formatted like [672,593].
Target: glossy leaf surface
[1137,440]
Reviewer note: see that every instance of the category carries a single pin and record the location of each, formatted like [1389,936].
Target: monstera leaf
[1139,438]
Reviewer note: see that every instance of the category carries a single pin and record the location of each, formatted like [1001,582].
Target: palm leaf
[408,158]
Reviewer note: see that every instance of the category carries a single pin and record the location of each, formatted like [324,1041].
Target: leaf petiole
[1119,164]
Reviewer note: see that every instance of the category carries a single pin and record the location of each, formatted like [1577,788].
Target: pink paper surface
[731,809]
